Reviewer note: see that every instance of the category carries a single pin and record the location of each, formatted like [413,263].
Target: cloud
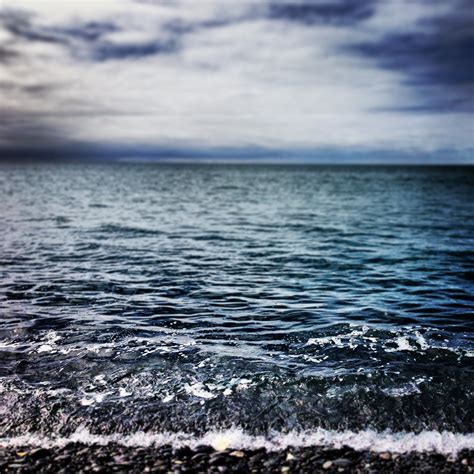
[338,12]
[436,56]
[221,75]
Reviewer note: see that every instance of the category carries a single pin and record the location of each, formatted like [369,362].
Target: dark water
[271,299]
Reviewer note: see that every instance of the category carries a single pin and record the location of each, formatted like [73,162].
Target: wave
[445,442]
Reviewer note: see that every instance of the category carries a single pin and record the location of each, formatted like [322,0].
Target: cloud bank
[277,76]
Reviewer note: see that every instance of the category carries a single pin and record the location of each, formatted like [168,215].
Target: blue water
[268,298]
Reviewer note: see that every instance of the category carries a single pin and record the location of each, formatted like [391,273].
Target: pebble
[204,449]
[184,451]
[217,460]
[258,457]
[198,457]
[63,457]
[39,453]
[159,465]
[271,463]
[342,462]
[77,457]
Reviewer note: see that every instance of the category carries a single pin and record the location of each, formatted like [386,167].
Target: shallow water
[265,299]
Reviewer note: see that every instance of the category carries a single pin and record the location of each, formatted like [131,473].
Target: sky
[321,79]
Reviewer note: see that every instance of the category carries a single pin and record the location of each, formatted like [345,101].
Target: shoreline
[75,457]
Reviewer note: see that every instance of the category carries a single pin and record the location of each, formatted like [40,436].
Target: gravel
[76,457]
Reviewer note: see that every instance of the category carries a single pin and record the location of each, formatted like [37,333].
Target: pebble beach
[77,457]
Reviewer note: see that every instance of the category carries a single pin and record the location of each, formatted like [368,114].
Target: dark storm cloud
[8,55]
[91,35]
[34,88]
[90,31]
[23,28]
[339,12]
[109,51]
[25,136]
[21,25]
[439,54]
[342,12]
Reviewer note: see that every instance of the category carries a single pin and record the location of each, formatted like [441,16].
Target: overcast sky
[394,75]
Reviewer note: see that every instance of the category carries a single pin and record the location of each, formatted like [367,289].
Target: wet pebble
[342,462]
[237,454]
[327,465]
[113,458]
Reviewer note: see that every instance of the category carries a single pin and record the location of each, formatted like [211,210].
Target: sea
[238,305]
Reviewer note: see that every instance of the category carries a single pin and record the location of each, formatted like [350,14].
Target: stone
[385,456]
[39,453]
[327,465]
[183,451]
[237,454]
[204,449]
[342,462]
[198,457]
[216,460]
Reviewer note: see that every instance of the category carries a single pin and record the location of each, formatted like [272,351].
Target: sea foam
[445,442]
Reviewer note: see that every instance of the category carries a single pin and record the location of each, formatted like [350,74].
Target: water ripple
[195,298]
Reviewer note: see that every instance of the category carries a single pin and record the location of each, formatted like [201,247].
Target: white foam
[199,390]
[402,344]
[401,340]
[50,345]
[445,442]
[45,348]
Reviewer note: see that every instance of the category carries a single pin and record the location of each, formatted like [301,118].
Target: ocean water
[259,305]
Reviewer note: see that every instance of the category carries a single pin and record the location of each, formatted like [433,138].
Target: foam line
[402,442]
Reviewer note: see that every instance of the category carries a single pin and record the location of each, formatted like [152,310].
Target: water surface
[271,299]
